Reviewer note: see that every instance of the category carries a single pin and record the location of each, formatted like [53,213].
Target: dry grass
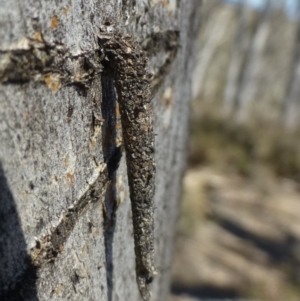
[223,143]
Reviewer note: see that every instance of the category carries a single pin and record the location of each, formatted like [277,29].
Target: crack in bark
[35,60]
[48,247]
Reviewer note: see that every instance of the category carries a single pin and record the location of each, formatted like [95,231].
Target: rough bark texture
[65,216]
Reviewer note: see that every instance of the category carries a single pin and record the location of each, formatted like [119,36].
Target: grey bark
[65,224]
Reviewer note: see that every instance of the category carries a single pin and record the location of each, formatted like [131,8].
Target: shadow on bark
[112,155]
[17,274]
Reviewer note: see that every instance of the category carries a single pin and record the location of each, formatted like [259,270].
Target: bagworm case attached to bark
[128,65]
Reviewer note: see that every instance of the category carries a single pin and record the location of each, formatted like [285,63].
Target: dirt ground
[238,238]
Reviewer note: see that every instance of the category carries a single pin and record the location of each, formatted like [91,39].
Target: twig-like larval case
[128,65]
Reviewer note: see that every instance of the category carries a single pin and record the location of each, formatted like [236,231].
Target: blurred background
[239,231]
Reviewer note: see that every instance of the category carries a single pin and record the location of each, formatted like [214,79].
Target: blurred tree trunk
[239,52]
[291,104]
[253,66]
[215,28]
[59,128]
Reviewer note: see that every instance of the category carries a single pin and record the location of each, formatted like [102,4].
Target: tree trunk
[65,215]
[211,35]
[239,53]
[291,104]
[253,66]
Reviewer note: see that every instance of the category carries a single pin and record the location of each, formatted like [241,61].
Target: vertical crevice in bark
[112,155]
